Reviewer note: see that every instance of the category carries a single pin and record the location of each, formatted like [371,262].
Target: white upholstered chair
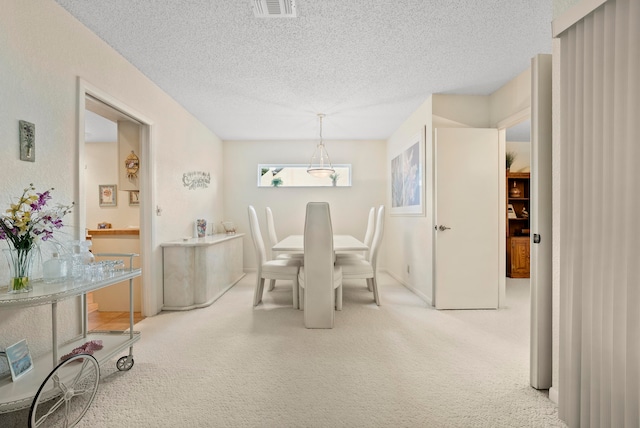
[368,237]
[286,269]
[320,280]
[273,240]
[355,268]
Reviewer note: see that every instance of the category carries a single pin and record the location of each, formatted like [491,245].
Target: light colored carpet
[402,364]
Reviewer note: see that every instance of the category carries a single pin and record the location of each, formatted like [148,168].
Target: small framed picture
[134,197]
[19,359]
[108,195]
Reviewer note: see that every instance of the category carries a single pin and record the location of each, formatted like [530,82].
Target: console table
[198,271]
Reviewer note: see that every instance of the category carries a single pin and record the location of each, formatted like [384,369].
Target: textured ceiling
[366,64]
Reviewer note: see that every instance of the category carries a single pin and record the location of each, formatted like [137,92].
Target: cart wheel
[66,394]
[125,363]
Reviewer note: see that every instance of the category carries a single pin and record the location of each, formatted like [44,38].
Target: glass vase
[20,262]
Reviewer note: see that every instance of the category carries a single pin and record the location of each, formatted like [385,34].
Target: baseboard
[553,394]
[418,293]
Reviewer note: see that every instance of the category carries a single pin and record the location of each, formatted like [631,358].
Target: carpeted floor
[402,364]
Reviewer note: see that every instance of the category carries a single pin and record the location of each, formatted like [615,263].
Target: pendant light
[320,164]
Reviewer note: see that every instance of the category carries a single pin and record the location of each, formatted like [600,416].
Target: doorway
[112,227]
[518,200]
[92,100]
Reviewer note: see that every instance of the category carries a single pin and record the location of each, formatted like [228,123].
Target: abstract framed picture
[407,178]
[108,195]
[19,359]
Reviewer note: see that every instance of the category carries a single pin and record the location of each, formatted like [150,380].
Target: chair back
[377,238]
[318,267]
[258,242]
[271,228]
[371,227]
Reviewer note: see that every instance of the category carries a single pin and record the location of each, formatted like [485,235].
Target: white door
[466,218]
[540,216]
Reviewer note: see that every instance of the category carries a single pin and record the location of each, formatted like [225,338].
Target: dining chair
[368,237]
[320,280]
[286,269]
[355,268]
[273,240]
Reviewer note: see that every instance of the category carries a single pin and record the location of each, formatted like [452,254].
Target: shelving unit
[518,232]
[21,393]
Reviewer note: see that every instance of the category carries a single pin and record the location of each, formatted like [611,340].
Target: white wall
[102,168]
[409,239]
[43,51]
[511,98]
[349,205]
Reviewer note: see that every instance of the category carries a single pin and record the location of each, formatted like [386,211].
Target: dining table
[295,243]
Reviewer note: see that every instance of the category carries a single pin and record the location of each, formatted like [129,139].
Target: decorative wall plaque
[196,179]
[27,141]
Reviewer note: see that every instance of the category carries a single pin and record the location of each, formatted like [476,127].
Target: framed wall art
[407,178]
[108,195]
[134,197]
[19,359]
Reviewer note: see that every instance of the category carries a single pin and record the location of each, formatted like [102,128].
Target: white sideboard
[198,271]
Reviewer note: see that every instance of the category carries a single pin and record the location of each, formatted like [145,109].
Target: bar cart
[60,393]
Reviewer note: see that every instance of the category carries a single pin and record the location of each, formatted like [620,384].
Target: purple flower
[41,201]
[29,222]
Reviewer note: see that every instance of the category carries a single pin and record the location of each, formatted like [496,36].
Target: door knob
[443,228]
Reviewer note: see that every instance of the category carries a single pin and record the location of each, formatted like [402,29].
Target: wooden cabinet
[519,257]
[518,241]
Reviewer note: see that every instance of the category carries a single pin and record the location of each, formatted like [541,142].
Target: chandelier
[320,164]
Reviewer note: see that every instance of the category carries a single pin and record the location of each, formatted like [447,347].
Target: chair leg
[374,285]
[295,293]
[272,284]
[257,294]
[301,297]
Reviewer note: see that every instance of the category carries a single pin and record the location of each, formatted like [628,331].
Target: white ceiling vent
[274,8]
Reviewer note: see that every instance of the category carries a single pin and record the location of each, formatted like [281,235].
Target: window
[282,175]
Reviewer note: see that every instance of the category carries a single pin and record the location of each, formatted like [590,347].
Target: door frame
[150,294]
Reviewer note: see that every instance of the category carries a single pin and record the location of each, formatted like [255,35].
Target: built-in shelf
[518,184]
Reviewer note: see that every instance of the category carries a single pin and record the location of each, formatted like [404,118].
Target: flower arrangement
[24,225]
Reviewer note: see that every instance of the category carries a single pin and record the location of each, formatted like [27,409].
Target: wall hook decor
[132,163]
